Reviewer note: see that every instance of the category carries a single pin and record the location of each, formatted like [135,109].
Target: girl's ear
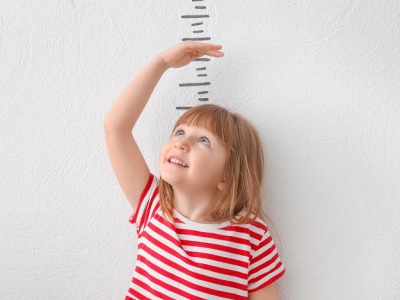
[222,185]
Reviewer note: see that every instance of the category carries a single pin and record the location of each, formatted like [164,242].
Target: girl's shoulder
[251,220]
[253,223]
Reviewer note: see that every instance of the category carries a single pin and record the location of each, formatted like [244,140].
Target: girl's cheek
[162,152]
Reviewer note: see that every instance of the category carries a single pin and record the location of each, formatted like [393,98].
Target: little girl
[201,233]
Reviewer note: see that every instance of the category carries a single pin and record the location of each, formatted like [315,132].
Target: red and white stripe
[184,260]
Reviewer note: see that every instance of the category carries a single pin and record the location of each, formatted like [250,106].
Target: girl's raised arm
[126,159]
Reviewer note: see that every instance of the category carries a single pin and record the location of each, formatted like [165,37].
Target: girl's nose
[182,145]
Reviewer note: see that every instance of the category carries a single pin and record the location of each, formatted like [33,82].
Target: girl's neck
[193,207]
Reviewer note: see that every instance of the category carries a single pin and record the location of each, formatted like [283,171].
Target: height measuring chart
[196,21]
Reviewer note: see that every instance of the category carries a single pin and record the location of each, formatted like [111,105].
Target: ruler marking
[194,84]
[195,16]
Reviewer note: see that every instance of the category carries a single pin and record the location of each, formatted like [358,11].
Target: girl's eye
[179,133]
[204,140]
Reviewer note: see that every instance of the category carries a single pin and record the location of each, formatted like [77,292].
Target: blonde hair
[244,170]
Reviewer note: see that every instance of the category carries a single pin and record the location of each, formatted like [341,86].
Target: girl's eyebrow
[202,130]
[178,128]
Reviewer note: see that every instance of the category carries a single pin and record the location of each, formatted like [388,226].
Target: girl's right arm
[126,159]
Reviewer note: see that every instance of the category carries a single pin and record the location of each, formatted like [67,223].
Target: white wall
[319,79]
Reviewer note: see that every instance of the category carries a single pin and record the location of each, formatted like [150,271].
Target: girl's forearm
[124,113]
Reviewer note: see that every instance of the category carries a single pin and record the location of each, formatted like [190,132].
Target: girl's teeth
[178,162]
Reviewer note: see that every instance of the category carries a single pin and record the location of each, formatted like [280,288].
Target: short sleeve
[265,264]
[148,204]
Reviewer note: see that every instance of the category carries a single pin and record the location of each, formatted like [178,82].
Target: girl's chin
[176,182]
[169,178]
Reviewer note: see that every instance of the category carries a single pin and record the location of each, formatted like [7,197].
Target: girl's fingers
[203,47]
[181,54]
[211,46]
[213,53]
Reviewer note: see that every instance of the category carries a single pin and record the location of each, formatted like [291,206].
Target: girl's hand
[183,53]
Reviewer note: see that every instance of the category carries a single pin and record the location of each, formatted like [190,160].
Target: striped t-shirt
[188,260]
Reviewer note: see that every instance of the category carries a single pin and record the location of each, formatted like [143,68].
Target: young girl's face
[193,160]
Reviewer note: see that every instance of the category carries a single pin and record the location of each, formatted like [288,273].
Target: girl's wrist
[161,62]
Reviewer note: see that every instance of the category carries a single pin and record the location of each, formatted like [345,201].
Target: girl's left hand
[183,53]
